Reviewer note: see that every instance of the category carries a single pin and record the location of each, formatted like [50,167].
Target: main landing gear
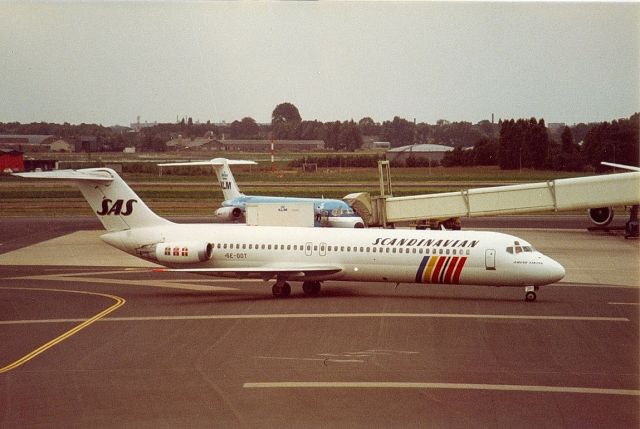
[311,288]
[282,289]
[530,293]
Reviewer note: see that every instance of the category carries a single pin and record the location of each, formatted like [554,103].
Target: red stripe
[436,270]
[456,275]
[452,266]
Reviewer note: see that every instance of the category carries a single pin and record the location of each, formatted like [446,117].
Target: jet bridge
[552,195]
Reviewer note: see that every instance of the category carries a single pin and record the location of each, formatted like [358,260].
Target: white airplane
[309,255]
[338,214]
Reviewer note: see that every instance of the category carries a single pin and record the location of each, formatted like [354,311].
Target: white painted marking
[623,303]
[334,316]
[170,284]
[458,386]
[313,359]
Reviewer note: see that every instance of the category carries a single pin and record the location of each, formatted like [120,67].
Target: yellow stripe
[119,303]
[426,276]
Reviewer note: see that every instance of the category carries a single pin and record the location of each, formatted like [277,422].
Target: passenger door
[490,259]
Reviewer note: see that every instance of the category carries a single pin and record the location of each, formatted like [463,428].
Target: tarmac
[90,336]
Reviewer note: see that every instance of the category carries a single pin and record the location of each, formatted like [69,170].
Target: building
[26,142]
[11,160]
[432,152]
[61,146]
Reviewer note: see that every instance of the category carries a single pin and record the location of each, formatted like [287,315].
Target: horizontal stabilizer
[76,175]
[214,162]
[621,166]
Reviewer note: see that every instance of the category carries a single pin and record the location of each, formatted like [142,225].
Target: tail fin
[112,200]
[220,166]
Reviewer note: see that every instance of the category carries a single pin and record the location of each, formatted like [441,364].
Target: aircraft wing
[79,175]
[264,272]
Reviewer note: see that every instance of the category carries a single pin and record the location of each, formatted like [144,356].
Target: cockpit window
[519,249]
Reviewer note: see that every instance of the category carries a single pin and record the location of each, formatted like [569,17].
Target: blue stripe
[421,269]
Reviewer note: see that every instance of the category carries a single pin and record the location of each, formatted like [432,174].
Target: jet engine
[178,253]
[229,213]
[601,216]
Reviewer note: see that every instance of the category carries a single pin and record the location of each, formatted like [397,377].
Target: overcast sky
[108,63]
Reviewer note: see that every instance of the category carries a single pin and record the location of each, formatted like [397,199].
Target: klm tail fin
[112,200]
[220,166]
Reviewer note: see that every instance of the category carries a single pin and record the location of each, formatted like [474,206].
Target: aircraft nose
[555,270]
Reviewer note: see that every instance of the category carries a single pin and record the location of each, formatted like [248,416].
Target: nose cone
[554,271]
[346,222]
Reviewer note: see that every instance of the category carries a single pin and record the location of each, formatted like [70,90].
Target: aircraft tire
[530,296]
[311,288]
[281,290]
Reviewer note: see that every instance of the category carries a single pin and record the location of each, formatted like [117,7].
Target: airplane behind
[308,255]
[327,211]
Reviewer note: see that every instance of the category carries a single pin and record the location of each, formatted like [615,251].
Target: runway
[102,341]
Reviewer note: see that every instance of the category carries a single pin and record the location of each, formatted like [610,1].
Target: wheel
[530,296]
[281,290]
[311,288]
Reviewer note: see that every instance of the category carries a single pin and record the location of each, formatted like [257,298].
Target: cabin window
[374,250]
[447,251]
[167,250]
[394,250]
[295,247]
[268,247]
[368,249]
[420,251]
[388,250]
[176,251]
[263,247]
[244,246]
[288,247]
[185,251]
[399,250]
[440,251]
[468,252]
[315,248]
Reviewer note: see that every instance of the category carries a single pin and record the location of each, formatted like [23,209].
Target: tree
[398,132]
[285,113]
[368,127]
[285,119]
[247,128]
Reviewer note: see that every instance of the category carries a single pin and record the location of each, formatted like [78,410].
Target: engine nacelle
[229,213]
[178,253]
[601,216]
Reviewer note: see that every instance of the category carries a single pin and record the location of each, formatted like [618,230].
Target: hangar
[11,160]
[432,152]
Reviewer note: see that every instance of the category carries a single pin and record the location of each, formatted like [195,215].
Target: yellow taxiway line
[119,303]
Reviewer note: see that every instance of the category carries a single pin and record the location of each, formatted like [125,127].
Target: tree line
[526,143]
[510,144]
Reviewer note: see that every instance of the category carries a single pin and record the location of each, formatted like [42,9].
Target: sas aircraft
[308,255]
[328,212]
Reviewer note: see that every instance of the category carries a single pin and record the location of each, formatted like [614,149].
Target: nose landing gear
[530,293]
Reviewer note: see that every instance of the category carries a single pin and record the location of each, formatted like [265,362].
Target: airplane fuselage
[402,256]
